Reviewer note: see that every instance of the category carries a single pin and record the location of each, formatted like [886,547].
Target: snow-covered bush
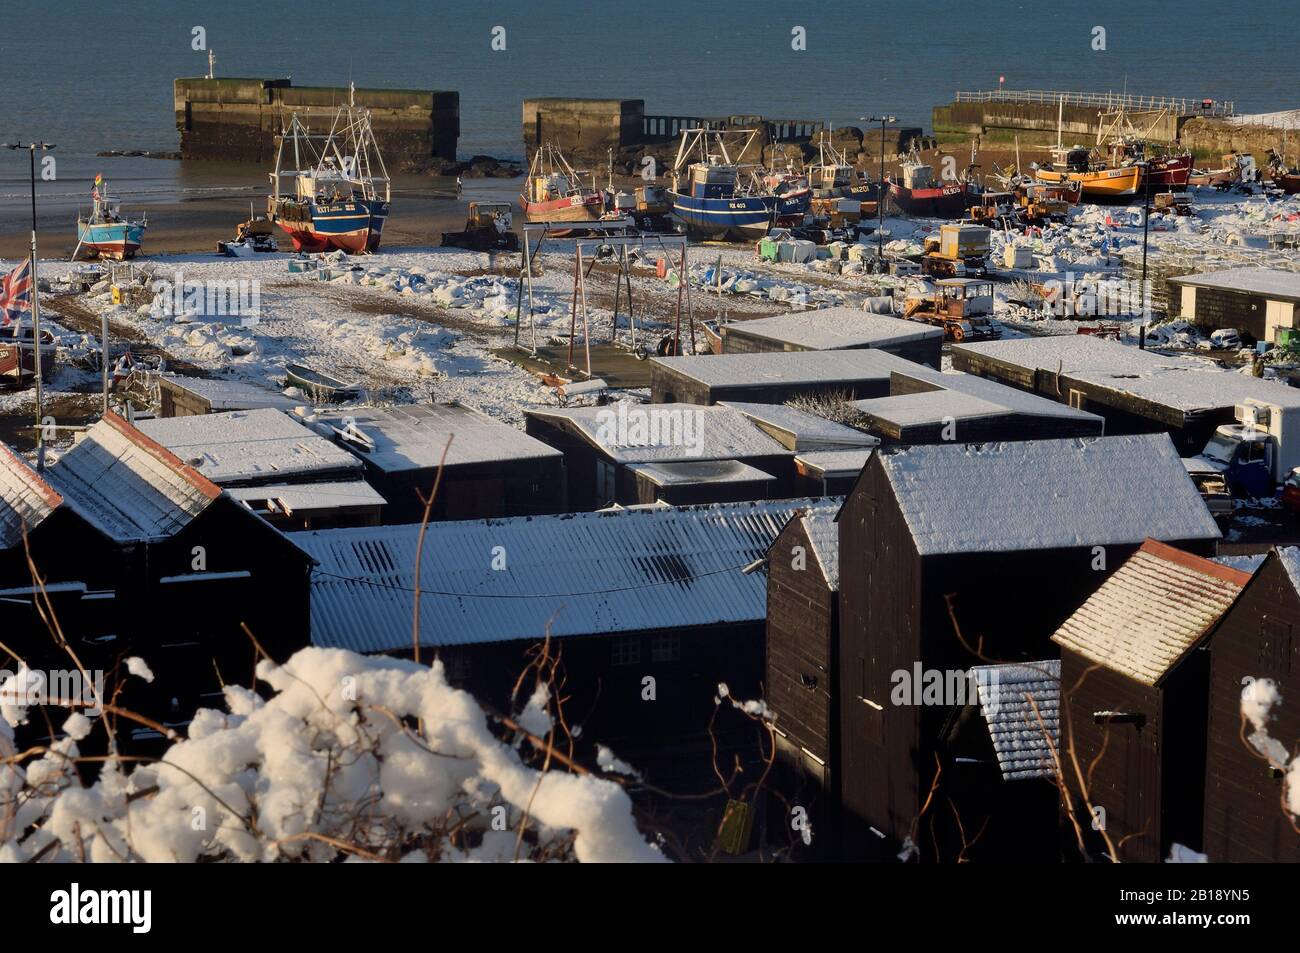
[1259,699]
[349,757]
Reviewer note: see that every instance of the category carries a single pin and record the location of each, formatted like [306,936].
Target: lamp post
[880,203]
[31,148]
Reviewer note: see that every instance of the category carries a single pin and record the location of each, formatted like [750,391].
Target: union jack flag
[16,293]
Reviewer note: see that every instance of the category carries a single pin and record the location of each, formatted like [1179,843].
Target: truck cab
[1255,453]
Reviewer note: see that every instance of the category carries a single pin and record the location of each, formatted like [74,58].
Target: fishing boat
[1129,146]
[1280,175]
[832,176]
[1097,180]
[340,191]
[18,356]
[105,233]
[716,197]
[918,193]
[554,192]
[1237,167]
[319,385]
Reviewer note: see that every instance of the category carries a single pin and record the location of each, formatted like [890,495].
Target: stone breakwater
[237,120]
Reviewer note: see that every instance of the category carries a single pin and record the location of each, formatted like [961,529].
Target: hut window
[666,648]
[625,651]
[1077,400]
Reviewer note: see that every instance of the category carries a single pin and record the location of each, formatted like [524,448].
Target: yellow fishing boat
[1098,180]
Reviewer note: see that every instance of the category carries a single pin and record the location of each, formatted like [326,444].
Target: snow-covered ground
[415,323]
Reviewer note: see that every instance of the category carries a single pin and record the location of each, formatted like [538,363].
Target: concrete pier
[591,132]
[237,120]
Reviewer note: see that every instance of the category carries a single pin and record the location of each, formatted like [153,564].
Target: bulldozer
[486,229]
[963,307]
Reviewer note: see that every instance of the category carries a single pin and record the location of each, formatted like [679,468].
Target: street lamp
[1146,216]
[31,147]
[880,203]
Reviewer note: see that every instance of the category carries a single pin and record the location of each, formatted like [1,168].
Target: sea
[89,75]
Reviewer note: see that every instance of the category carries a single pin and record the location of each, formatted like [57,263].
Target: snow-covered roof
[801,430]
[232,395]
[786,367]
[414,436]
[1046,494]
[1008,696]
[242,446]
[981,391]
[1151,611]
[627,570]
[699,471]
[25,498]
[1268,282]
[1290,558]
[824,534]
[833,463]
[314,497]
[128,486]
[833,329]
[929,406]
[1184,383]
[659,433]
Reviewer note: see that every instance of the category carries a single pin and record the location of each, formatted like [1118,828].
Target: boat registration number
[348,207]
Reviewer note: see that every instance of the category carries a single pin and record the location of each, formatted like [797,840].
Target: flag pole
[31,148]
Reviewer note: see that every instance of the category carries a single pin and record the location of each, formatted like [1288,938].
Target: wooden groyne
[237,120]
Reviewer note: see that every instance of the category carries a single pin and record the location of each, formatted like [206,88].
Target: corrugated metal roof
[576,574]
[1046,494]
[243,446]
[1020,736]
[786,367]
[127,486]
[661,433]
[1151,611]
[824,534]
[833,328]
[414,436]
[25,498]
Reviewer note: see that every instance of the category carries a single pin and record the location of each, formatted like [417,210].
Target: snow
[1045,494]
[247,445]
[139,668]
[1268,282]
[787,367]
[834,328]
[1260,698]
[289,777]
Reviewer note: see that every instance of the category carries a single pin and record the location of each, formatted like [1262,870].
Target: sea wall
[1037,122]
[1211,139]
[237,120]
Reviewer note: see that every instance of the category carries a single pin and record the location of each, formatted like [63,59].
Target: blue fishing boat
[105,233]
[341,190]
[715,197]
